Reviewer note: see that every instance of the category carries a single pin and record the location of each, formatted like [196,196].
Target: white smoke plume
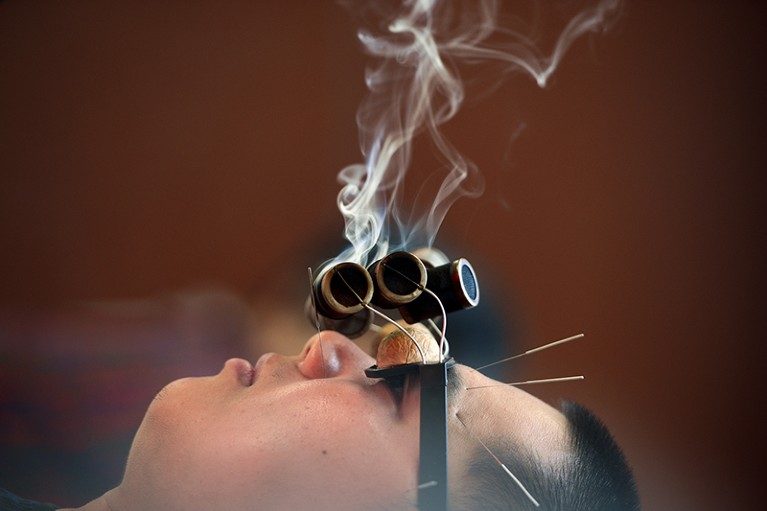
[413,90]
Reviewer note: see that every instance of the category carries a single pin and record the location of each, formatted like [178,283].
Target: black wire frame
[433,436]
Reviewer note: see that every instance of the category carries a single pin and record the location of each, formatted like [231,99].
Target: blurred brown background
[151,147]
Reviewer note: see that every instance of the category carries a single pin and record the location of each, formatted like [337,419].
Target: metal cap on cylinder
[342,290]
[399,278]
[455,284]
[431,257]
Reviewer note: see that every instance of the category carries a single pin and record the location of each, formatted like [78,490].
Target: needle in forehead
[529,382]
[504,467]
[534,350]
[317,323]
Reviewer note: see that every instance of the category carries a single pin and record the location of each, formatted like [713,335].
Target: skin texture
[310,431]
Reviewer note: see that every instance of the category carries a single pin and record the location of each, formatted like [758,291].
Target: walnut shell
[397,348]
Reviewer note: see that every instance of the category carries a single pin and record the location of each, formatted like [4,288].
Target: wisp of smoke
[413,90]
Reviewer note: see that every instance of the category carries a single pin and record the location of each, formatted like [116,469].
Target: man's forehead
[507,403]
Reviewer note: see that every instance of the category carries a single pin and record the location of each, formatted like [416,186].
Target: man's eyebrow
[454,383]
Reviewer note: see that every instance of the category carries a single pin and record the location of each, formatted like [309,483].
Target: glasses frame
[433,436]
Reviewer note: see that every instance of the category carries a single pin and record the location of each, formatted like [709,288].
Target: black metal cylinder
[455,284]
[398,278]
[342,290]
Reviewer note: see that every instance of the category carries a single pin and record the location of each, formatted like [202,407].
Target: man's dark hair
[596,476]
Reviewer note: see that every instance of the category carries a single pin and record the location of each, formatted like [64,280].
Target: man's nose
[329,354]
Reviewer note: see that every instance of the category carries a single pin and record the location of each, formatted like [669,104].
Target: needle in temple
[534,350]
[530,382]
[317,322]
[504,467]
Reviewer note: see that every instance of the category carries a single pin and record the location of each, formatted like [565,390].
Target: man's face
[311,432]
